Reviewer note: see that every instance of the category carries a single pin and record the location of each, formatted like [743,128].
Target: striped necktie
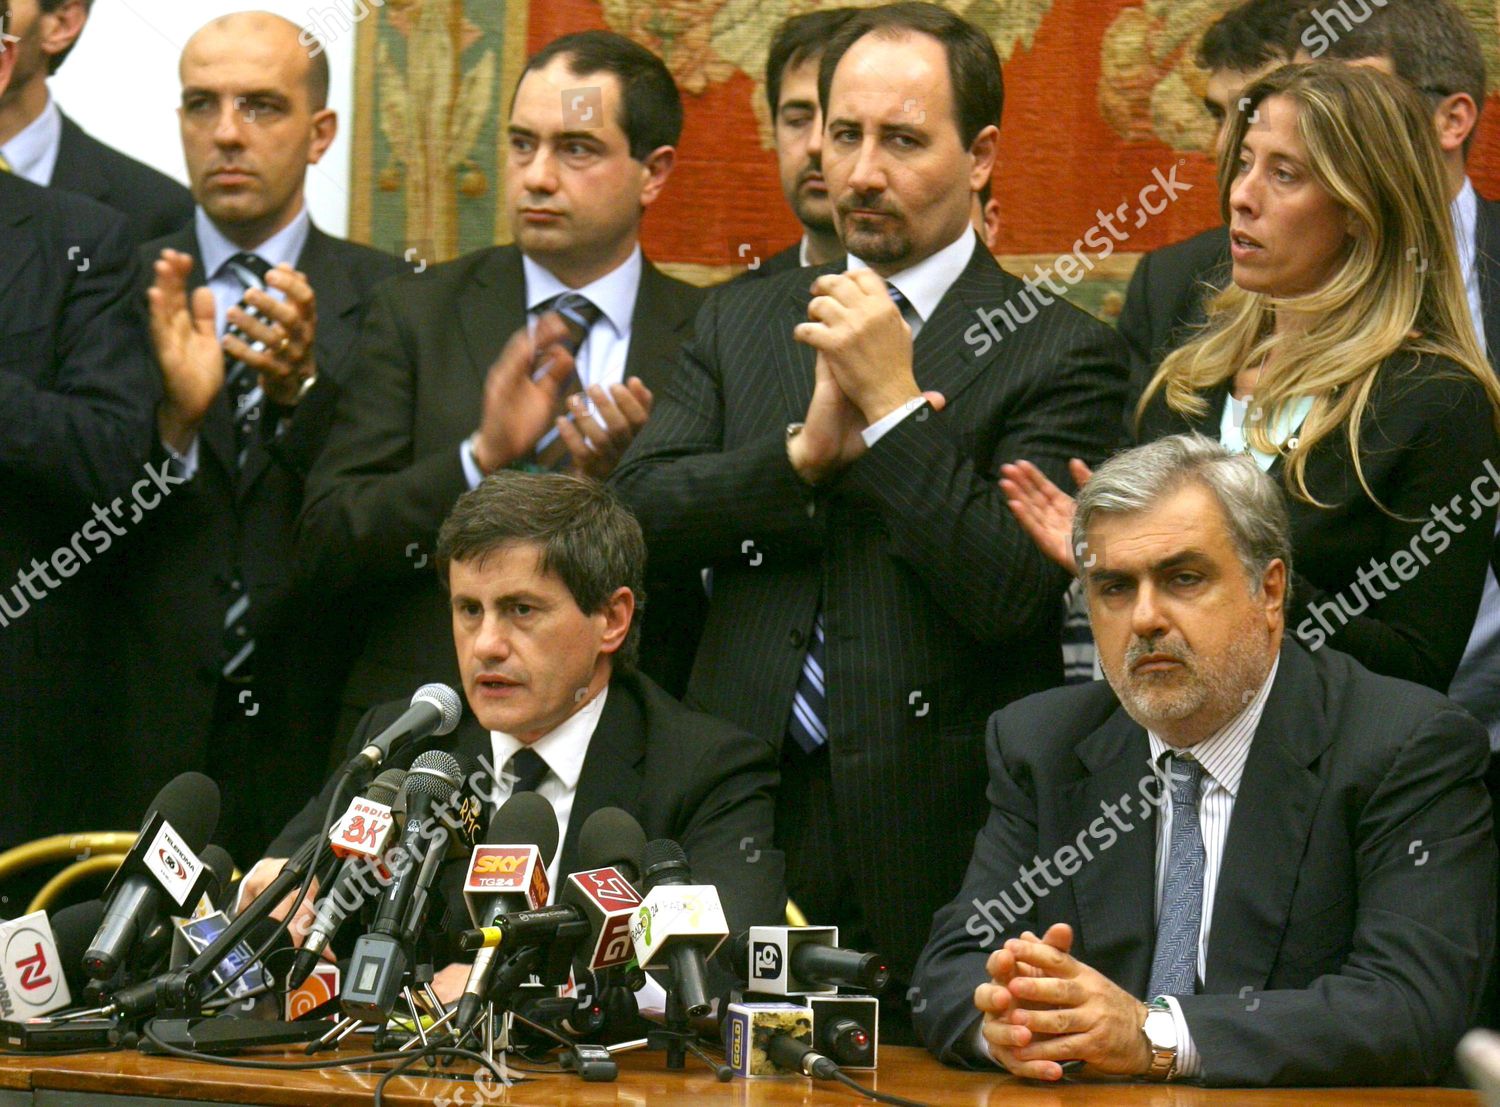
[808,725]
[1174,963]
[240,385]
[580,314]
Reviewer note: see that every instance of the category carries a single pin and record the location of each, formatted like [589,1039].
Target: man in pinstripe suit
[872,600]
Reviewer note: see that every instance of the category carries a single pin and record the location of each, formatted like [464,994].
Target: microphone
[435,710]
[804,960]
[610,838]
[74,927]
[679,925]
[504,879]
[221,867]
[32,979]
[361,838]
[380,958]
[164,859]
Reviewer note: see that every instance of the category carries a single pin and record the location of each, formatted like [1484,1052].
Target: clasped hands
[1043,1007]
[192,354]
[862,372]
[521,396]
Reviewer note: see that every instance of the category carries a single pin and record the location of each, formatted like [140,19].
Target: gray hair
[1136,480]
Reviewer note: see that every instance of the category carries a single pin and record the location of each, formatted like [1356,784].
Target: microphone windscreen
[612,839]
[73,928]
[446,700]
[434,774]
[190,802]
[664,862]
[526,819]
[386,787]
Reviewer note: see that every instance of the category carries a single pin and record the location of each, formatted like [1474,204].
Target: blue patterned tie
[1174,964]
[580,314]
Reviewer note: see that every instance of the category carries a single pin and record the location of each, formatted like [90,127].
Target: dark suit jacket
[1427,435]
[391,471]
[77,393]
[700,782]
[938,608]
[776,264]
[1166,300]
[182,564]
[154,203]
[1354,916]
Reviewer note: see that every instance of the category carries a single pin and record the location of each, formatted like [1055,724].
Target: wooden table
[138,1079]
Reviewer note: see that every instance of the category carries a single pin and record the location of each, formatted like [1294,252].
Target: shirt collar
[925,284]
[1465,214]
[285,246]
[32,153]
[614,294]
[563,748]
[1223,754]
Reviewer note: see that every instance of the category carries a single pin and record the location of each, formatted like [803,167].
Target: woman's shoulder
[1422,393]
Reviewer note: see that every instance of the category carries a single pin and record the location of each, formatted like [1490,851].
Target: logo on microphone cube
[614,945]
[765,961]
[31,979]
[316,990]
[363,830]
[173,864]
[500,869]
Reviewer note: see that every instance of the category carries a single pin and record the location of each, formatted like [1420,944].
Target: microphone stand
[677,1040]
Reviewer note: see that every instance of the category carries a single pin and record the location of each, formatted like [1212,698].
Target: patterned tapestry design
[1102,97]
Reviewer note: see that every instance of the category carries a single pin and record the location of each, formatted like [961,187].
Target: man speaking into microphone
[544,575]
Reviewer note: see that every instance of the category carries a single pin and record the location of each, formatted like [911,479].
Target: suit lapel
[1268,834]
[16,249]
[657,324]
[611,774]
[944,360]
[1116,899]
[495,310]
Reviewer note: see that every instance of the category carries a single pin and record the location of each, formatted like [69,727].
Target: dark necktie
[580,314]
[527,769]
[240,382]
[1174,963]
[808,724]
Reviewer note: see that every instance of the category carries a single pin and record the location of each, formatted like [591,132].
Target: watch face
[1160,1030]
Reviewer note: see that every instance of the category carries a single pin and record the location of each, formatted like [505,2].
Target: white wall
[120,84]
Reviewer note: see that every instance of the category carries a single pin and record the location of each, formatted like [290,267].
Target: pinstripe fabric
[937,607]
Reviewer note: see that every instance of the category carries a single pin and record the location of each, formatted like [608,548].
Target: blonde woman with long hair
[1344,357]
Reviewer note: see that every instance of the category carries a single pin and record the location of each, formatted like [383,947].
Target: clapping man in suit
[76,395]
[830,446]
[41,144]
[230,673]
[1249,864]
[544,574]
[592,133]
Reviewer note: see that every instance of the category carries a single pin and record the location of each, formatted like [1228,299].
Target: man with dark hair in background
[76,393]
[797,124]
[41,144]
[592,132]
[1168,289]
[544,577]
[873,598]
[230,671]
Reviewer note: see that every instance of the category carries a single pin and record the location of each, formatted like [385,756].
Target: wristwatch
[1161,1039]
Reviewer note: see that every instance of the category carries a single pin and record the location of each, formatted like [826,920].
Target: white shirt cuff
[878,430]
[1188,1064]
[184,465]
[471,467]
[979,1045]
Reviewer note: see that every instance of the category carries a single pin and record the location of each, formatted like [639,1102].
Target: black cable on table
[878,1097]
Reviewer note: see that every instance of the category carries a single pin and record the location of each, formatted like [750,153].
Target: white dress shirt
[32,153]
[1222,755]
[1465,214]
[564,750]
[283,247]
[924,285]
[601,358]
